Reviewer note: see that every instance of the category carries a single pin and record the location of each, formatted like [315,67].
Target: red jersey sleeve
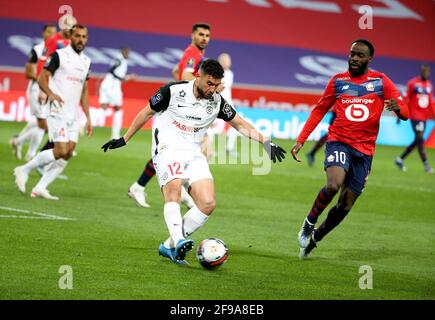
[50,47]
[391,92]
[318,112]
[189,62]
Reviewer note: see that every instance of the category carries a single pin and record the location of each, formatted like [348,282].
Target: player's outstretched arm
[141,118]
[245,128]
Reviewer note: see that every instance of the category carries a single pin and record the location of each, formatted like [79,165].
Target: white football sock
[37,136]
[137,186]
[193,220]
[42,158]
[117,124]
[186,198]
[25,134]
[51,172]
[174,222]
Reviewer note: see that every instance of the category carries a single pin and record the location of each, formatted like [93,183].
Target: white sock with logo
[193,220]
[42,159]
[51,172]
[117,124]
[174,222]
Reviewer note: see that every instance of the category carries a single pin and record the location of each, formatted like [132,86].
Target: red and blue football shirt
[358,103]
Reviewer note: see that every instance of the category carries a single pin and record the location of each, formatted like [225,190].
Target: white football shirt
[70,71]
[182,120]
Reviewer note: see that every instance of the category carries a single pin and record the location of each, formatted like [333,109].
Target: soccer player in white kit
[183,112]
[64,80]
[31,131]
[111,91]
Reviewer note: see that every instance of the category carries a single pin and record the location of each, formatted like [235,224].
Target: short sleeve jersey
[358,104]
[190,61]
[181,120]
[70,71]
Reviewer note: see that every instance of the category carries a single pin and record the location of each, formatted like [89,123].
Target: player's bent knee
[332,187]
[207,207]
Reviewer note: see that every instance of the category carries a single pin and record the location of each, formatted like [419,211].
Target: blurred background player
[32,132]
[351,138]
[420,104]
[228,80]
[319,144]
[186,70]
[226,92]
[111,90]
[64,81]
[57,41]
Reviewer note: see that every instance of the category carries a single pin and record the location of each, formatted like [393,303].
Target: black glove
[275,152]
[113,144]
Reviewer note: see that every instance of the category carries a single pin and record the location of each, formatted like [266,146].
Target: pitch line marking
[39,215]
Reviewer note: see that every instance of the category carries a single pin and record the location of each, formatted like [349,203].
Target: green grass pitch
[111,245]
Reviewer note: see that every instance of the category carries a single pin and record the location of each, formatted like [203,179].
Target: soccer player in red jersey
[359,96]
[57,41]
[186,70]
[420,103]
[194,53]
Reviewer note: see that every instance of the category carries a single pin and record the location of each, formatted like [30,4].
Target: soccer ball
[212,253]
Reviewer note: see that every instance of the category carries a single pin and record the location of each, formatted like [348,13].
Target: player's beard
[358,72]
[202,94]
[74,46]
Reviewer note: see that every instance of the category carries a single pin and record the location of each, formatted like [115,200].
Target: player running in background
[64,81]
[186,69]
[111,91]
[32,132]
[420,104]
[319,144]
[359,96]
[183,112]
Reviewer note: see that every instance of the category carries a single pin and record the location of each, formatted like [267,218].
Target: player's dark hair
[213,68]
[200,25]
[78,26]
[48,25]
[368,44]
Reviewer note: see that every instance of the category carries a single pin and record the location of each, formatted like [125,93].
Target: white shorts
[63,130]
[38,110]
[179,164]
[110,92]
